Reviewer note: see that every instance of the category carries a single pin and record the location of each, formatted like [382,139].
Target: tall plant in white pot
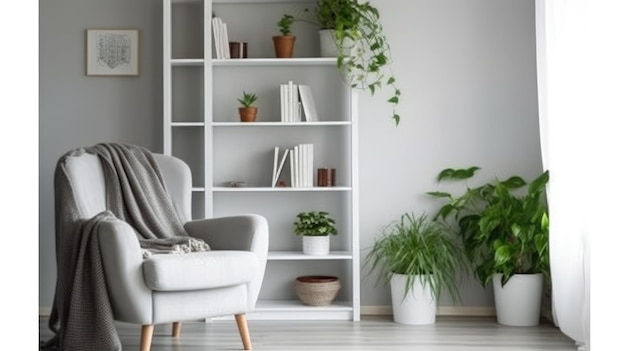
[419,260]
[504,227]
[315,227]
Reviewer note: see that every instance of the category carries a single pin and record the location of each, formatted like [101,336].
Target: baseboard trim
[468,311]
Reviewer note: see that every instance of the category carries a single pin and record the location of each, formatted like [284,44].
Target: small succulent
[248,99]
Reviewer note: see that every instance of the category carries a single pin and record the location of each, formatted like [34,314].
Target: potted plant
[315,227]
[247,112]
[354,34]
[284,44]
[505,233]
[419,260]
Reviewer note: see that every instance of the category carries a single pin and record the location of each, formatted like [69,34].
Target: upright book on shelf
[291,106]
[308,105]
[220,38]
[278,165]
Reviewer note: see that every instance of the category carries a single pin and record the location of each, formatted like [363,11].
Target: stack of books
[220,38]
[300,165]
[296,103]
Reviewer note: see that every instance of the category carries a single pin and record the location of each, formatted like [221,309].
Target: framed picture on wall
[112,52]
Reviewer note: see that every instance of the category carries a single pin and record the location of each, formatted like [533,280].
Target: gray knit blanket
[82,317]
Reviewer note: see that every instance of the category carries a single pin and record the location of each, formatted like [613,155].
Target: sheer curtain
[580,66]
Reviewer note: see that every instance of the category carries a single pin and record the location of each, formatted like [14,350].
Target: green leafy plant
[503,229]
[314,223]
[421,249]
[357,24]
[285,23]
[247,99]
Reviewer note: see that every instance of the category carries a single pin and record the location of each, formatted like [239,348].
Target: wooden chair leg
[146,337]
[176,327]
[242,324]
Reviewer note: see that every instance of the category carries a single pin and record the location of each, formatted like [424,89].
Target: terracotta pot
[247,114]
[283,46]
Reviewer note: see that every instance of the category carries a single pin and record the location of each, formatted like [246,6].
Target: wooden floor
[372,333]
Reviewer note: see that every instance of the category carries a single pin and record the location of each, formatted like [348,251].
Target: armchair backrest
[85,173]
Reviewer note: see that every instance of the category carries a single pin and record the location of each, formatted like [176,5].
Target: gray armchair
[170,288]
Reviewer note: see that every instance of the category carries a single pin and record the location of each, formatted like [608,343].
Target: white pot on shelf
[316,245]
[518,302]
[418,307]
[328,47]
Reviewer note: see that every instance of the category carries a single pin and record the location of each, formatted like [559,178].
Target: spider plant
[421,249]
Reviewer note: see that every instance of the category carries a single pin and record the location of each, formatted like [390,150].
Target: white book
[296,164]
[290,117]
[307,164]
[217,39]
[311,168]
[308,104]
[301,164]
[280,167]
[275,169]
[283,103]
[305,161]
[294,103]
[292,169]
[225,47]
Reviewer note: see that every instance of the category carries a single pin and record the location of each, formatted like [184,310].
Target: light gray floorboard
[378,333]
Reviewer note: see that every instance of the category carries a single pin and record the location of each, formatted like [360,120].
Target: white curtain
[581,86]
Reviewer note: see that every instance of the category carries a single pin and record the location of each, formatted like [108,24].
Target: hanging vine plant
[354,24]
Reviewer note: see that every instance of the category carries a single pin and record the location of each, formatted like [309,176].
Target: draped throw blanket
[81,316]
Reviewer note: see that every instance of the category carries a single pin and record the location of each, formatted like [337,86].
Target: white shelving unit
[201,126]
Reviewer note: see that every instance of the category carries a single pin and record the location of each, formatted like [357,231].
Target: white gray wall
[77,110]
[466,70]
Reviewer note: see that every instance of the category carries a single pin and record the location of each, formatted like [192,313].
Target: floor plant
[504,227]
[421,250]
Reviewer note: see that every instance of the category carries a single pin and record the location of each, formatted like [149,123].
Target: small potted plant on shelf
[419,260]
[351,30]
[247,112]
[284,44]
[315,227]
[505,233]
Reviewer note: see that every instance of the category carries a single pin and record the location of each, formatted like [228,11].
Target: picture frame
[112,52]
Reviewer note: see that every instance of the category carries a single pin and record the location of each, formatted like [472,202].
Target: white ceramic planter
[418,307]
[518,303]
[316,245]
[328,48]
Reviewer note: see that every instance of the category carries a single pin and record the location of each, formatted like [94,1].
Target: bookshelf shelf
[281,124]
[282,189]
[187,124]
[306,61]
[299,256]
[187,62]
[202,127]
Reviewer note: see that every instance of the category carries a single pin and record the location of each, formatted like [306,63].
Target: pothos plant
[504,229]
[368,65]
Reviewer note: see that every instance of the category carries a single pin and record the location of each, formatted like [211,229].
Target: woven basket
[316,290]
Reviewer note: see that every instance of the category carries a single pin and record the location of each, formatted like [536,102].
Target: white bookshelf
[201,126]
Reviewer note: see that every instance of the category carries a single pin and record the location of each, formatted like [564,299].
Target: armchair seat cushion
[202,270]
